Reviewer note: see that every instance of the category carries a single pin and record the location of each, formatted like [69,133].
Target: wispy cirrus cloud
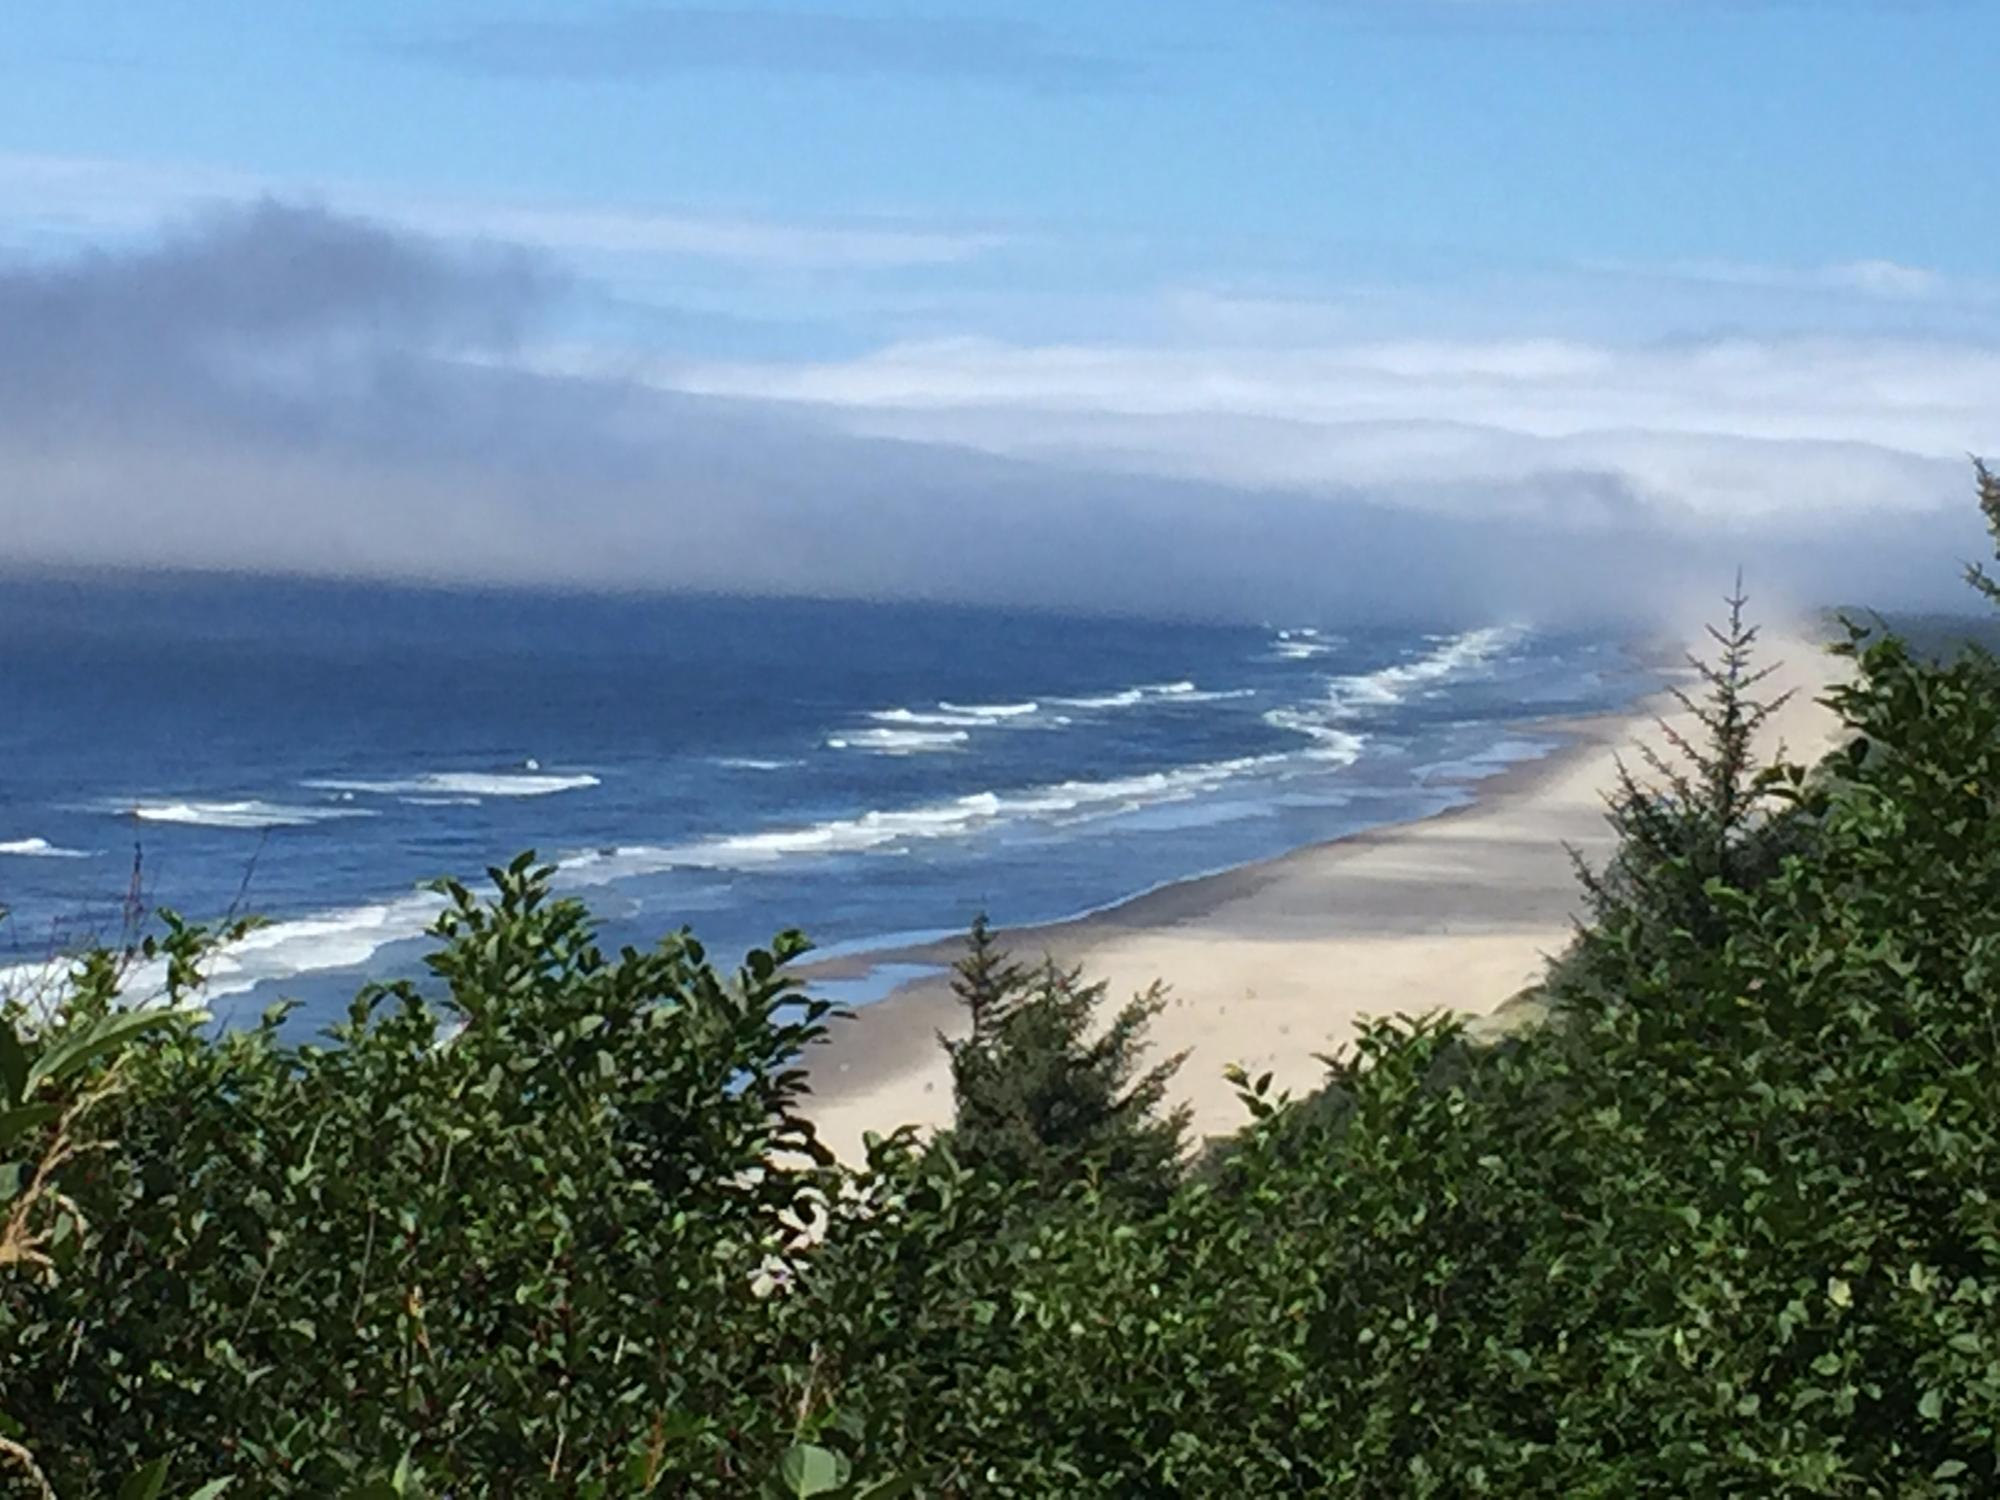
[1877,278]
[1586,15]
[646,43]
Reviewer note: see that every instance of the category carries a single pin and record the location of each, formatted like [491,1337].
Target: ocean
[870,773]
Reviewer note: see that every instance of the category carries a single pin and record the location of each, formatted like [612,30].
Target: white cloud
[1722,430]
[88,198]
[1881,279]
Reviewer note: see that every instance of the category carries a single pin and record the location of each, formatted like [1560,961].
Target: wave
[463,784]
[958,720]
[38,848]
[899,741]
[1301,644]
[340,939]
[991,710]
[1390,686]
[976,716]
[1352,697]
[1129,698]
[1336,746]
[1152,692]
[1302,650]
[250,813]
[751,763]
[890,831]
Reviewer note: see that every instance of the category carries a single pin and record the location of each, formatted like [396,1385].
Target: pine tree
[1045,1093]
[985,980]
[1689,819]
[1989,507]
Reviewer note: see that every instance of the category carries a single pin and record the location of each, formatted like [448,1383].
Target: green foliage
[1989,507]
[497,1235]
[1046,1092]
[1694,818]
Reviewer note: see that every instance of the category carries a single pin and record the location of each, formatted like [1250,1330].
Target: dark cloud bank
[278,389]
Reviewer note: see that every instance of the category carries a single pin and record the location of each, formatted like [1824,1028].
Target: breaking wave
[1301,645]
[1389,686]
[38,848]
[249,813]
[887,830]
[463,784]
[899,741]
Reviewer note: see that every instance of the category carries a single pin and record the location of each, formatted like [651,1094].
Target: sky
[1346,305]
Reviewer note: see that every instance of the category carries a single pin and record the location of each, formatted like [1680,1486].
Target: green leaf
[1931,1405]
[887,1489]
[807,1469]
[13,1065]
[210,1490]
[78,1049]
[146,1483]
[20,1120]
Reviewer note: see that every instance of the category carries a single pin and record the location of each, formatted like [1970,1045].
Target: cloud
[72,199]
[1569,15]
[1716,431]
[277,388]
[1887,280]
[643,44]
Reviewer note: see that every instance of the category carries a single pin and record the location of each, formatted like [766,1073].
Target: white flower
[774,1276]
[807,1219]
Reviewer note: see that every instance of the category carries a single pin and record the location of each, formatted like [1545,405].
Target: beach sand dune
[1273,963]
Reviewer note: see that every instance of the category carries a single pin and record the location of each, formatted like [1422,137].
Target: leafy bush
[499,1235]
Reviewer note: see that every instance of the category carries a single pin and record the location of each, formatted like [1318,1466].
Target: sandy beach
[1272,963]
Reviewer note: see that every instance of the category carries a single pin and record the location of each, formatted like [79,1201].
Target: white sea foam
[1129,698]
[1153,692]
[339,939]
[463,784]
[1349,698]
[752,763]
[1301,650]
[957,720]
[885,831]
[991,710]
[39,848]
[1339,746]
[899,741]
[1453,656]
[249,813]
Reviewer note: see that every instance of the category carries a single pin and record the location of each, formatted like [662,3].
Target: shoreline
[1456,910]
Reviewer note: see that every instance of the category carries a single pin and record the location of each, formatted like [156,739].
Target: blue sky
[1683,244]
[1046,152]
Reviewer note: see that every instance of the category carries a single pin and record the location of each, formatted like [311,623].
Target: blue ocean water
[313,752]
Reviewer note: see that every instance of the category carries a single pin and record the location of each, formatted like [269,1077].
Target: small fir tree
[1046,1093]
[1689,817]
[1989,507]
